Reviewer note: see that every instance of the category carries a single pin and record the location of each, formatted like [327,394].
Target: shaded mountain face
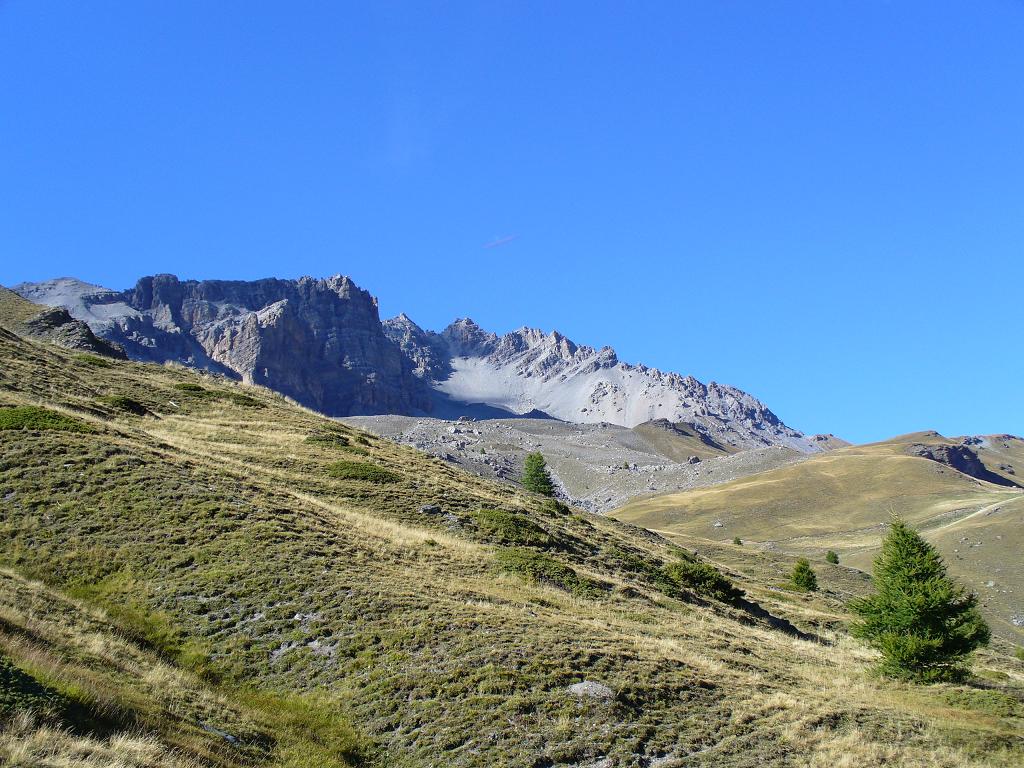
[321,342]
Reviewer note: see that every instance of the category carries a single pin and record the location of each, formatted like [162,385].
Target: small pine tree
[923,622]
[804,578]
[737,541]
[535,475]
[832,557]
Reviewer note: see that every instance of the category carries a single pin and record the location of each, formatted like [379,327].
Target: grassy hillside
[200,573]
[679,441]
[14,309]
[843,499]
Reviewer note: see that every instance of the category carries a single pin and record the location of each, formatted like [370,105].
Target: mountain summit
[321,342]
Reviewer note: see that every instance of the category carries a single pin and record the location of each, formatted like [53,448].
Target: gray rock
[430,509]
[591,690]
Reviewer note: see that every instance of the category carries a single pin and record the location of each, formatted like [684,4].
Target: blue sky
[819,202]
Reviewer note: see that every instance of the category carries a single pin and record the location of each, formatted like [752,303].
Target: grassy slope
[679,443]
[14,309]
[841,500]
[219,534]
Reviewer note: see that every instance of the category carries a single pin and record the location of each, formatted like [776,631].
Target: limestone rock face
[529,371]
[319,341]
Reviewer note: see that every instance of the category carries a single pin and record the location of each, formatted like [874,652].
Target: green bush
[704,579]
[803,578]
[510,528]
[330,439]
[832,557]
[360,470]
[237,398]
[36,418]
[94,360]
[925,624]
[126,404]
[737,541]
[539,567]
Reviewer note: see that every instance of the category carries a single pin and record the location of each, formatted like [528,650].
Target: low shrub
[329,439]
[35,418]
[832,557]
[510,528]
[701,578]
[237,398]
[126,404]
[360,470]
[539,567]
[94,360]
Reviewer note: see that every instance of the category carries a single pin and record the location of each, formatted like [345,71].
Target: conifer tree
[803,577]
[535,475]
[923,622]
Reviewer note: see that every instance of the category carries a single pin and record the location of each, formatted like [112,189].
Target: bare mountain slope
[595,466]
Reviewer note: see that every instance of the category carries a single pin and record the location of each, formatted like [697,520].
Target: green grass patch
[360,470]
[310,730]
[21,691]
[541,568]
[35,418]
[510,528]
[993,703]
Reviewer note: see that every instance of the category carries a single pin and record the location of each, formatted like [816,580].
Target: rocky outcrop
[55,324]
[962,459]
[52,324]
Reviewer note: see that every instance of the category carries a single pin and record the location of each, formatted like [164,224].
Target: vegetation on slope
[212,543]
[842,501]
[923,622]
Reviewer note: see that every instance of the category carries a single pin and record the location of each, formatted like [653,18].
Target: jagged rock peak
[467,339]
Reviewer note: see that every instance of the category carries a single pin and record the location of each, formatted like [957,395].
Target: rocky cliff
[319,341]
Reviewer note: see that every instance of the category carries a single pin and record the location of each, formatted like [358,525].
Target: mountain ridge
[321,341]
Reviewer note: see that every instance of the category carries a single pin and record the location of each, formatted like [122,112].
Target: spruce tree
[923,622]
[535,475]
[803,577]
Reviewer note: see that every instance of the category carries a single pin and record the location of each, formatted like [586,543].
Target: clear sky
[819,202]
